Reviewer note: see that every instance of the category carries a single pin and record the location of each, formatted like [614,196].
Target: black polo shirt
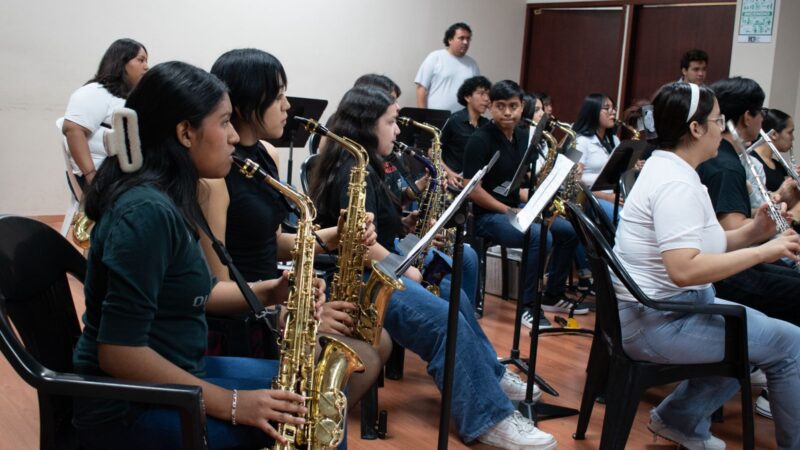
[725,178]
[455,134]
[480,148]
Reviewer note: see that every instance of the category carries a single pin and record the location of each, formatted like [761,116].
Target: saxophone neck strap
[250,297]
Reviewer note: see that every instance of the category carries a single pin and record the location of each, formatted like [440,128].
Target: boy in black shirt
[503,135]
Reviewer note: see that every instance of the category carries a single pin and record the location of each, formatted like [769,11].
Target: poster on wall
[755,21]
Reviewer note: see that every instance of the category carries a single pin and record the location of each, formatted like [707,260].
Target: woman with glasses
[596,140]
[671,243]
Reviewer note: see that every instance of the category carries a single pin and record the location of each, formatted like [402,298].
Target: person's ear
[696,129]
[185,133]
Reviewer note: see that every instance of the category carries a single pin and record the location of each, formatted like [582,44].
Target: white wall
[49,49]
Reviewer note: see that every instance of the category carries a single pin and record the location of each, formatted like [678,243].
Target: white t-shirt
[90,106]
[594,157]
[668,208]
[442,74]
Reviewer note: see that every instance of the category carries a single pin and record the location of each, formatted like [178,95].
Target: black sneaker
[562,304]
[544,324]
[527,320]
[586,286]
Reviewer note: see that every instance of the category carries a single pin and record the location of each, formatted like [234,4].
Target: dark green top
[147,284]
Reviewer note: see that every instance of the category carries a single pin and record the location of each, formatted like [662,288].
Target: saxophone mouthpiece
[312,125]
[247,167]
[399,146]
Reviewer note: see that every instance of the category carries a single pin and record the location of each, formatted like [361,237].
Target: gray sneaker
[762,405]
[659,428]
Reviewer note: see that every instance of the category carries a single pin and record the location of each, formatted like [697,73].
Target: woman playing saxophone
[148,286]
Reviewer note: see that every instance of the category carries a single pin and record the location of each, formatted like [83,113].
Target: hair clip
[123,139]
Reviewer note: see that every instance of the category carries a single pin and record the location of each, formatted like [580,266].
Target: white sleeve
[678,216]
[425,72]
[88,107]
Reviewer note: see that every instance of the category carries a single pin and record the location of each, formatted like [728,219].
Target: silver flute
[773,210]
[790,170]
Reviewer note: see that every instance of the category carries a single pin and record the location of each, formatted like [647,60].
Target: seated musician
[490,208]
[246,214]
[671,243]
[596,140]
[473,95]
[415,318]
[397,184]
[148,286]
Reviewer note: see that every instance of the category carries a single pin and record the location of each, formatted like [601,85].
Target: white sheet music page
[544,192]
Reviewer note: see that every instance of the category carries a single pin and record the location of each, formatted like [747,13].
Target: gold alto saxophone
[321,381]
[348,282]
[549,162]
[636,134]
[433,203]
[569,190]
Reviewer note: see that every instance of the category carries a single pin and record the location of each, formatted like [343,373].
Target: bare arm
[689,267]
[254,408]
[422,96]
[78,146]
[214,202]
[732,221]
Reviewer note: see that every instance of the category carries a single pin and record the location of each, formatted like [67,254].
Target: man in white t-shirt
[444,70]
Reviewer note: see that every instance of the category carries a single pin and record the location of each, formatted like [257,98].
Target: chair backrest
[35,295]
[305,170]
[595,211]
[602,262]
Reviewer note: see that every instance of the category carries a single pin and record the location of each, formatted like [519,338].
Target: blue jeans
[159,428]
[669,337]
[469,274]
[417,320]
[561,237]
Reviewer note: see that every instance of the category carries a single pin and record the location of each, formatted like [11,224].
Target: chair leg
[505,273]
[596,380]
[369,413]
[623,393]
[394,367]
[748,427]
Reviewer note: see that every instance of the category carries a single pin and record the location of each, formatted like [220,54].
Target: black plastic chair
[595,212]
[35,297]
[306,167]
[623,379]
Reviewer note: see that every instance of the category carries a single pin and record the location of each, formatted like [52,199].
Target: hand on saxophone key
[370,236]
[272,292]
[256,408]
[319,294]
[335,318]
[410,221]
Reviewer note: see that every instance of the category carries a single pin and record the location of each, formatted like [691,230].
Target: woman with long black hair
[148,286]
[482,388]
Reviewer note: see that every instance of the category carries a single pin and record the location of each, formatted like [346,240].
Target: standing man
[444,70]
[694,65]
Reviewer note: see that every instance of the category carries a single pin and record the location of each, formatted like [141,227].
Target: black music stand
[294,136]
[454,216]
[528,159]
[622,159]
[416,137]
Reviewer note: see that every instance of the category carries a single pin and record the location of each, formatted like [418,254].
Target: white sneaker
[515,432]
[758,379]
[762,405]
[659,428]
[515,388]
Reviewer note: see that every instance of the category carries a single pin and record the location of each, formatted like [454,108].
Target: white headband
[694,100]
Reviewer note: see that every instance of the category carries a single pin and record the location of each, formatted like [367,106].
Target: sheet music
[544,192]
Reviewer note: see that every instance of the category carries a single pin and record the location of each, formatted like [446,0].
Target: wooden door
[572,52]
[662,33]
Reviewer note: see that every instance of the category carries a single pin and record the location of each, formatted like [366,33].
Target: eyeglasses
[608,109]
[720,121]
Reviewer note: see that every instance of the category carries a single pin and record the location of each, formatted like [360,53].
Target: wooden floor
[413,402]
